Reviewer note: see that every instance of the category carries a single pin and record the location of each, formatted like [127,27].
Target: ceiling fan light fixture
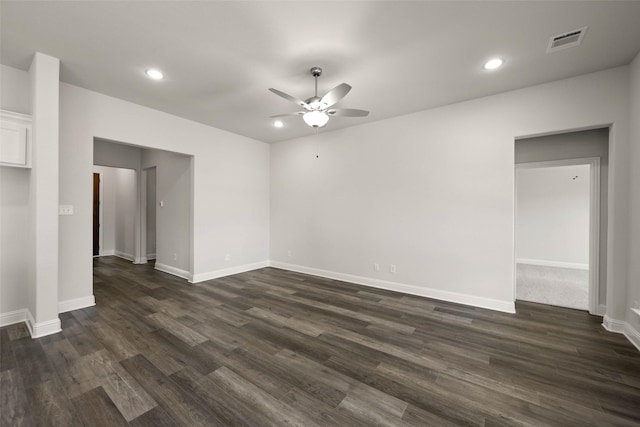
[278,123]
[315,119]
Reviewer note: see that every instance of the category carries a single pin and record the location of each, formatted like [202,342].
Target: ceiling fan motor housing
[316,71]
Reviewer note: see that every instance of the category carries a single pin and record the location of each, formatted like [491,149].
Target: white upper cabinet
[15,139]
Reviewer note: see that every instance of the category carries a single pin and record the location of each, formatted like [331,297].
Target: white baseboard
[622,327]
[109,252]
[42,329]
[201,277]
[13,317]
[141,260]
[547,263]
[613,325]
[123,255]
[602,310]
[151,256]
[472,300]
[173,270]
[632,335]
[76,304]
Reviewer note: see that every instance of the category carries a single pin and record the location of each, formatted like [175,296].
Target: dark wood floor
[273,348]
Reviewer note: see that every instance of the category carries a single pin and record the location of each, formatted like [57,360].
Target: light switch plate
[65,210]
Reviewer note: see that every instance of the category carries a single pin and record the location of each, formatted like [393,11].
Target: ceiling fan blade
[348,112]
[297,113]
[335,95]
[290,98]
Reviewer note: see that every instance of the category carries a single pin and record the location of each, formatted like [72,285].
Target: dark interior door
[96,214]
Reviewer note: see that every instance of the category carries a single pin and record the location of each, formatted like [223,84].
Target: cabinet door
[13,144]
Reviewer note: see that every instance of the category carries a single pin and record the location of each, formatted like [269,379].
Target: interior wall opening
[114,212]
[561,191]
[553,234]
[158,204]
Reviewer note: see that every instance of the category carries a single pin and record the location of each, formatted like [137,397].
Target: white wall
[633,299]
[42,296]
[433,192]
[14,90]
[125,212]
[14,245]
[553,215]
[14,203]
[151,213]
[230,181]
[173,190]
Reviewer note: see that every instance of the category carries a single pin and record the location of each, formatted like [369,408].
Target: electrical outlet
[376,266]
[175,256]
[392,268]
[227,257]
[289,253]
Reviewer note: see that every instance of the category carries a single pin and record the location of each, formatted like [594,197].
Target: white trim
[141,260]
[472,300]
[76,304]
[636,311]
[173,270]
[24,119]
[201,277]
[123,255]
[621,327]
[632,335]
[547,263]
[42,329]
[13,317]
[602,310]
[613,325]
[151,256]
[594,219]
[110,252]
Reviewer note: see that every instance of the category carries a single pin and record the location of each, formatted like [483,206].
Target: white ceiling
[400,57]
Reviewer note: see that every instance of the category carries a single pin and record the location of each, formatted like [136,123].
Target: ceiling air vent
[566,40]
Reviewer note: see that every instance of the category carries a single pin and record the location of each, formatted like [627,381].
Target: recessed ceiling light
[494,63]
[278,123]
[154,74]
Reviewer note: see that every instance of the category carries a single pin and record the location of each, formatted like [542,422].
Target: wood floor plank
[271,347]
[127,395]
[97,409]
[13,401]
[33,364]
[274,411]
[7,358]
[51,407]
[182,406]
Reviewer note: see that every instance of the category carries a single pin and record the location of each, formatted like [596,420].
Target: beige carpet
[563,287]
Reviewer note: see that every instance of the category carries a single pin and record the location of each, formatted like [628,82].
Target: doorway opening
[159,201]
[96,214]
[557,233]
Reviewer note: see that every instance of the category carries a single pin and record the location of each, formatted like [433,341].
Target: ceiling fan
[315,110]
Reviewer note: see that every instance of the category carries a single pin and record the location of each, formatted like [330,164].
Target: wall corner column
[44,76]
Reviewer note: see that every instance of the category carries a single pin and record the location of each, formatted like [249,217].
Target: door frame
[100,213]
[594,221]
